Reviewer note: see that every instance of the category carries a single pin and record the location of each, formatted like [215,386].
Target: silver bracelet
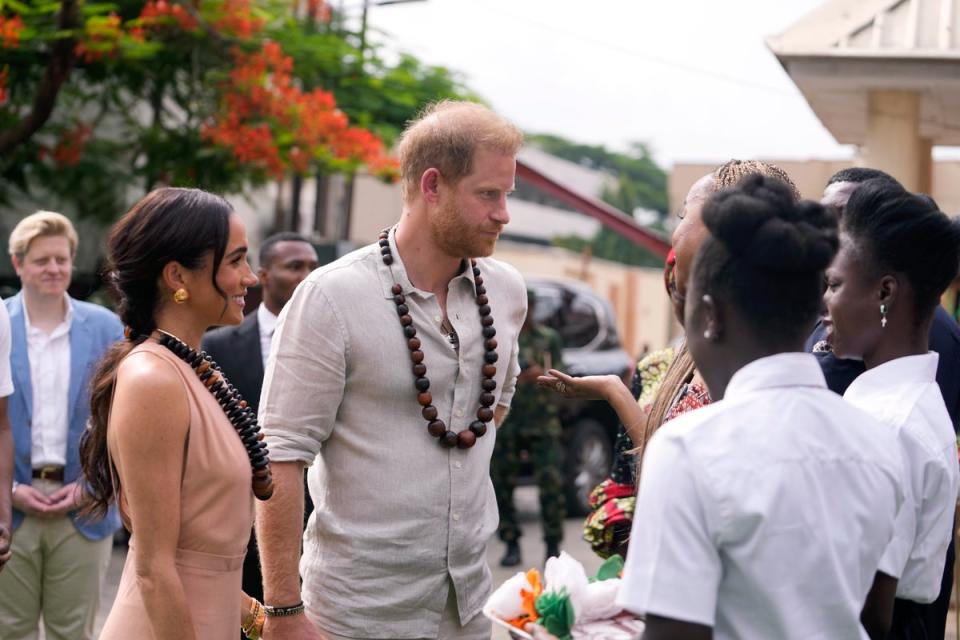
[278,612]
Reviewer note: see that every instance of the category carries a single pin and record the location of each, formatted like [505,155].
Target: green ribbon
[556,613]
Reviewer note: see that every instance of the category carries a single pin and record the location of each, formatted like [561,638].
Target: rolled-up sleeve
[305,376]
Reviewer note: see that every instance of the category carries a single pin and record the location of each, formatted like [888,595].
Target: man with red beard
[388,374]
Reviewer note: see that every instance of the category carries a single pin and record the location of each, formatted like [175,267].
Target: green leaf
[610,569]
[556,613]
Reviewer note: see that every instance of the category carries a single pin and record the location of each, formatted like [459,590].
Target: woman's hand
[585,388]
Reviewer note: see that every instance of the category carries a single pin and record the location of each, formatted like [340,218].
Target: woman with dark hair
[898,253]
[763,515]
[168,433]
[666,383]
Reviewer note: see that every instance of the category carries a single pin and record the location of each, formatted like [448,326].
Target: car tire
[589,457]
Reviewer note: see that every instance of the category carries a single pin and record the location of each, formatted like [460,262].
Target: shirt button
[456,517]
[457,465]
[459,413]
[437,318]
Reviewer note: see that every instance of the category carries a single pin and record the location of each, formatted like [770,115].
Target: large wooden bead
[419,369]
[263,488]
[402,310]
[485,414]
[437,428]
[396,289]
[490,345]
[481,289]
[484,310]
[410,331]
[388,260]
[488,370]
[482,299]
[478,280]
[413,344]
[429,413]
[490,357]
[486,399]
[478,428]
[202,367]
[488,384]
[406,321]
[489,332]
[416,356]
[424,399]
[466,439]
[262,472]
[486,322]
[399,299]
[449,439]
[422,384]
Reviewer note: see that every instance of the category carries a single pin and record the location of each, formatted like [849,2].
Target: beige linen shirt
[397,517]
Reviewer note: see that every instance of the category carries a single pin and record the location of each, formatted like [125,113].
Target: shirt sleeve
[673,569]
[305,376]
[6,379]
[513,368]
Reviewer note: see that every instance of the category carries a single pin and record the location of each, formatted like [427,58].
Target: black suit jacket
[944,339]
[237,351]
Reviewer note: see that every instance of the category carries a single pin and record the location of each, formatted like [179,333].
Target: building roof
[845,49]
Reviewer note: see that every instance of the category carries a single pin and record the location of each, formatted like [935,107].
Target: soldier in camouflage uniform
[532,426]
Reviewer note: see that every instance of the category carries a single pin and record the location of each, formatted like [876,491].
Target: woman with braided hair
[167,433]
[666,383]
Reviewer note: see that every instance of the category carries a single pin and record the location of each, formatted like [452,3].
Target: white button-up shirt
[397,516]
[49,356]
[903,395]
[764,515]
[267,322]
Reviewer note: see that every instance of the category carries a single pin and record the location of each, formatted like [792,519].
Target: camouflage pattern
[533,426]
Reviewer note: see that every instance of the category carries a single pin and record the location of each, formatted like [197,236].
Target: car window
[580,322]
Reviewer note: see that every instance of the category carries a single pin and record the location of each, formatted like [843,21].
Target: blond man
[57,559]
[386,377]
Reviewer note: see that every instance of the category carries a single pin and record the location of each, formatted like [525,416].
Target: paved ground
[531,545]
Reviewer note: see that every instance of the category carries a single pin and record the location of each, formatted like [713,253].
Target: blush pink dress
[216,515]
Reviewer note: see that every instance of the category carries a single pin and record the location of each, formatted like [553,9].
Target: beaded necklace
[234,406]
[436,427]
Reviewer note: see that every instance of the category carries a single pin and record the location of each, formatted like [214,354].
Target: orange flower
[529,599]
[10,29]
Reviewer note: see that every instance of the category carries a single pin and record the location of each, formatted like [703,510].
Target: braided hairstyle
[732,173]
[894,230]
[168,225]
[766,255]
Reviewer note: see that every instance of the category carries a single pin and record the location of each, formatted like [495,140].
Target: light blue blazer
[93,331]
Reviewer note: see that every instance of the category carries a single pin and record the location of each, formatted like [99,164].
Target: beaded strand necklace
[234,406]
[436,427]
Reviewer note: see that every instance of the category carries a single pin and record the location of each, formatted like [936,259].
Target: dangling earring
[883,316]
[707,334]
[181,295]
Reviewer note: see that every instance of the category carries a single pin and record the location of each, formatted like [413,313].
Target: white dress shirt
[764,515]
[6,379]
[49,356]
[903,395]
[267,322]
[397,517]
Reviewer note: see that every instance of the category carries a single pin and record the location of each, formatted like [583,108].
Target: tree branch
[62,57]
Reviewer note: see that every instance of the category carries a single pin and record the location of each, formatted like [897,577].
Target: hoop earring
[883,316]
[181,295]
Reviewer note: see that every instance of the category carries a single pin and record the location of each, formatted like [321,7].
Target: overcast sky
[691,78]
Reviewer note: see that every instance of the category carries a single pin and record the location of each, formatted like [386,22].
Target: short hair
[269,247]
[733,172]
[895,230]
[859,175]
[446,136]
[766,255]
[41,224]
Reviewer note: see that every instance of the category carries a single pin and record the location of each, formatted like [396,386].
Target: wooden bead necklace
[241,416]
[435,426]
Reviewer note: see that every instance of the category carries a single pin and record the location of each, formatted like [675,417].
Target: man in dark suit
[944,339]
[241,351]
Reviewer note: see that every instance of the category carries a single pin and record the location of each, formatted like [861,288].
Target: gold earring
[181,295]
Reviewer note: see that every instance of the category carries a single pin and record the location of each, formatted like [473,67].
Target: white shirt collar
[60,329]
[266,320]
[779,370]
[896,373]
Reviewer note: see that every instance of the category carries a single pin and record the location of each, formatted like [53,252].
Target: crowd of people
[321,467]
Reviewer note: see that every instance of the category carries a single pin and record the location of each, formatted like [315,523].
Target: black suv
[591,346]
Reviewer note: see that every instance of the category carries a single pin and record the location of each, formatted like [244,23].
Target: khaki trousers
[479,628]
[54,571]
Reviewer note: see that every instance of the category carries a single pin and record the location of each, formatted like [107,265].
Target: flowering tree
[101,98]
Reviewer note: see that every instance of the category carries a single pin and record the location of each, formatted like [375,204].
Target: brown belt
[52,473]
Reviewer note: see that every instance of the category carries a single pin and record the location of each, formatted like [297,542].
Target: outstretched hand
[585,388]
